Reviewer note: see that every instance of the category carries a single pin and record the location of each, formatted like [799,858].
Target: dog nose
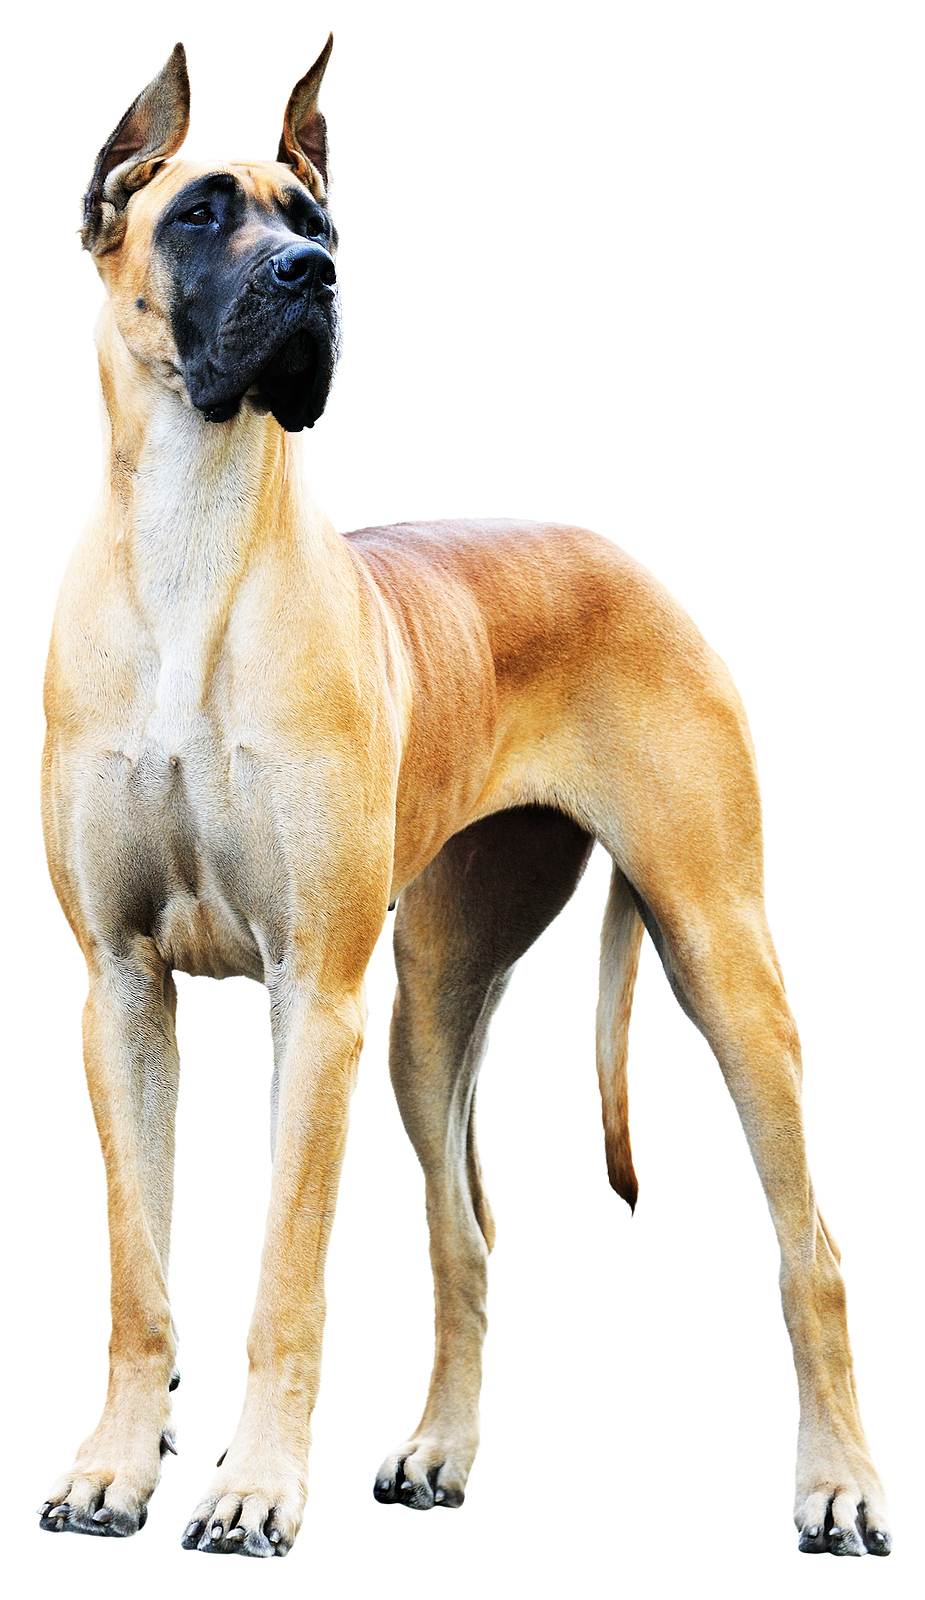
[299,263]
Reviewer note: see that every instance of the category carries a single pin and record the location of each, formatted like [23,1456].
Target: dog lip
[221,410]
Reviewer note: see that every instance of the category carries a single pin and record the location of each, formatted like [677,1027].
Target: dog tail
[621,937]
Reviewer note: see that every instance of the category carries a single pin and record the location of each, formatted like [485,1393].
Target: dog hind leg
[460,928]
[671,791]
[725,966]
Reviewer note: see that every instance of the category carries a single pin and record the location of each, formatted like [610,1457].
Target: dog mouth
[277,355]
[288,386]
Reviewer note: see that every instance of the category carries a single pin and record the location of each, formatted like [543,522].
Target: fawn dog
[261,733]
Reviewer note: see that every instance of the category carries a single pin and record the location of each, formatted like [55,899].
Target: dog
[263,735]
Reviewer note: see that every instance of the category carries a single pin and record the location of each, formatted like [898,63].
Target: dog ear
[153,128]
[304,143]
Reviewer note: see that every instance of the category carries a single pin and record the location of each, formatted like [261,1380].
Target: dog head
[222,279]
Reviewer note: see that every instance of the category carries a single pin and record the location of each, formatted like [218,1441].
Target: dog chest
[185,848]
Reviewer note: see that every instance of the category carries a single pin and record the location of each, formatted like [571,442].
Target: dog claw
[103,1515]
[274,1536]
[236,1535]
[215,1532]
[191,1537]
[44,1510]
[174,1382]
[221,1458]
[168,1443]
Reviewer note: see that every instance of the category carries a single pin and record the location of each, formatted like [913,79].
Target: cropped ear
[304,144]
[153,128]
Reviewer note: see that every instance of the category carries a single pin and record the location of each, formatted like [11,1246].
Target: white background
[656,268]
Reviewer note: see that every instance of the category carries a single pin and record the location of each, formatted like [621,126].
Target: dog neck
[189,506]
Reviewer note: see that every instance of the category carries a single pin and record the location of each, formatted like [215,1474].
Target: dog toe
[231,1523]
[812,1540]
[91,1508]
[878,1542]
[837,1523]
[54,1518]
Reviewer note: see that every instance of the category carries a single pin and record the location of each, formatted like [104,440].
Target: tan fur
[259,735]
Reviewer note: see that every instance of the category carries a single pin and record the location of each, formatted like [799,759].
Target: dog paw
[237,1518]
[97,1503]
[106,1492]
[840,1522]
[422,1474]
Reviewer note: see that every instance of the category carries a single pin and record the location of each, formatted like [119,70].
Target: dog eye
[198,217]
[310,226]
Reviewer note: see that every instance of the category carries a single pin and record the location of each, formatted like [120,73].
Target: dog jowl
[262,734]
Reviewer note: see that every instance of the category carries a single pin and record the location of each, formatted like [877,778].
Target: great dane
[261,734]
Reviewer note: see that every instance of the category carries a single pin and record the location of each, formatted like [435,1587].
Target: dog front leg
[254,1504]
[132,1067]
